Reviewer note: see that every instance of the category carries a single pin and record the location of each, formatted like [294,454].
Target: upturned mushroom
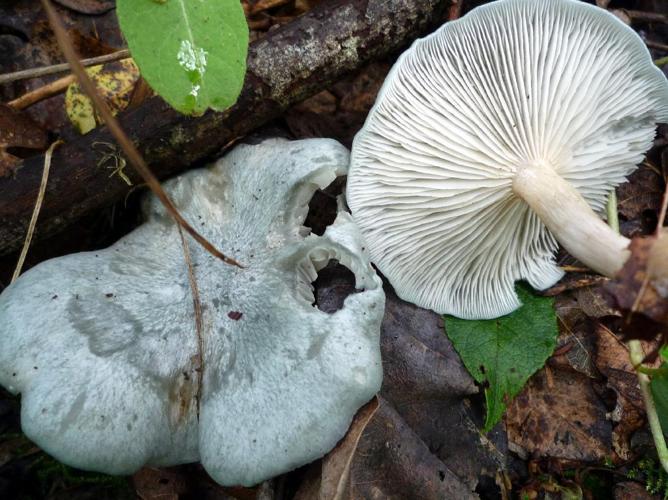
[495,137]
[103,348]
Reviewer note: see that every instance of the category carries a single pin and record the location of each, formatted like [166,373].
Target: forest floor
[578,428]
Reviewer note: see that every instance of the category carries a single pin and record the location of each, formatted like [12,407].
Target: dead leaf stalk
[36,210]
[197,306]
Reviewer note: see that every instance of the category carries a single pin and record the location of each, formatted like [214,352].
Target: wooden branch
[288,65]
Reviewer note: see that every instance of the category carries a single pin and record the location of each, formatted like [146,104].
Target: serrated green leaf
[501,354]
[191,52]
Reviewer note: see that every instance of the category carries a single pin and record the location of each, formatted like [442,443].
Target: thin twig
[36,210]
[115,129]
[62,68]
[647,17]
[197,305]
[656,45]
[41,93]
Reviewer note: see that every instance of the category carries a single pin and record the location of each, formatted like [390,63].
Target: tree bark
[286,66]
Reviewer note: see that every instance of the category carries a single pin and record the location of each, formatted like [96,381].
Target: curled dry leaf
[17,130]
[640,289]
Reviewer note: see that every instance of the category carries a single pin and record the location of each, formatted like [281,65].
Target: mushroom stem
[570,218]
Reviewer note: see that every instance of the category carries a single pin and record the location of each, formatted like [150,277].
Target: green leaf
[664,352]
[659,387]
[191,52]
[501,354]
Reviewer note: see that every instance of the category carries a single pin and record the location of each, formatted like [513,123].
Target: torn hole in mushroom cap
[331,249]
[335,282]
[323,207]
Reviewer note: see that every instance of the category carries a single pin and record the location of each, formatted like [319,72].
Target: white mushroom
[494,136]
[103,348]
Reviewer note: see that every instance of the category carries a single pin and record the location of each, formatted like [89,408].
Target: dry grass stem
[36,210]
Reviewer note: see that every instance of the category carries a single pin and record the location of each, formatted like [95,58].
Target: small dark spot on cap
[109,295]
[235,315]
[34,368]
[54,297]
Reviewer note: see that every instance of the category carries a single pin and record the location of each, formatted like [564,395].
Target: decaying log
[287,65]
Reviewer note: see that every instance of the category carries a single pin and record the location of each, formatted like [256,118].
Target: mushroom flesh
[495,137]
[103,348]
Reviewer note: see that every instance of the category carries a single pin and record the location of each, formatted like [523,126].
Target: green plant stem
[661,62]
[611,209]
[637,356]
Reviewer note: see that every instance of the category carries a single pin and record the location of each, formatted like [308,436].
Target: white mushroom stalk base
[570,218]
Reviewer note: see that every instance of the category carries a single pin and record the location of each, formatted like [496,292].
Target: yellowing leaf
[114,81]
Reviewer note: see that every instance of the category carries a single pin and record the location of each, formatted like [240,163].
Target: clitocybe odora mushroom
[103,349]
[495,137]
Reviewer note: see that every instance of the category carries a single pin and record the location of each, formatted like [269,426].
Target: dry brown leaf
[88,6]
[393,462]
[159,484]
[336,465]
[612,360]
[643,192]
[576,329]
[563,420]
[17,130]
[629,490]
[640,289]
[593,302]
